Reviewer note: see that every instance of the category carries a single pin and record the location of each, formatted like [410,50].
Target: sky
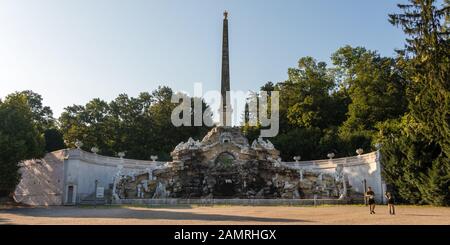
[71,51]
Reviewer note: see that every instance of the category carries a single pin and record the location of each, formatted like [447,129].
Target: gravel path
[224,215]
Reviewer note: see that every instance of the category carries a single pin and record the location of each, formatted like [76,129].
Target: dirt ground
[191,215]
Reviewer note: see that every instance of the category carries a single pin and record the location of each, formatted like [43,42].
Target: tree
[20,139]
[43,118]
[428,50]
[165,133]
[53,140]
[91,124]
[299,141]
[309,95]
[132,124]
[416,148]
[376,91]
[311,109]
[42,115]
[141,125]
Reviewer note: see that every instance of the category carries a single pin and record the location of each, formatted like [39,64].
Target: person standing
[390,202]
[370,195]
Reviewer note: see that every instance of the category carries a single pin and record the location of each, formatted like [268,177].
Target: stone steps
[252,202]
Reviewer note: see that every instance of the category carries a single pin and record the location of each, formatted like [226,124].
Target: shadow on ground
[424,215]
[126,213]
[4,221]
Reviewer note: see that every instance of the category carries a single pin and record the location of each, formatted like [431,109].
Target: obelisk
[225,107]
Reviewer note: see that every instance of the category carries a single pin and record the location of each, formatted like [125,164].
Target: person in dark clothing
[390,202]
[370,195]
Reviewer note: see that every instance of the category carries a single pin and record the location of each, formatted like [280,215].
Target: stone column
[225,107]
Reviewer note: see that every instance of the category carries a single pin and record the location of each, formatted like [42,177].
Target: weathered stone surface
[224,165]
[42,180]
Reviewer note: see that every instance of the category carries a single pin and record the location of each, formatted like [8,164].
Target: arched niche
[225,158]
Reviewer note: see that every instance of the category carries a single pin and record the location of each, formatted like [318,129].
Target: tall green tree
[416,147]
[307,92]
[306,108]
[428,52]
[376,91]
[42,115]
[43,118]
[311,109]
[20,140]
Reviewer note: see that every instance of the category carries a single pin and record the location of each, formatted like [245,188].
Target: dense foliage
[139,126]
[20,139]
[417,146]
[336,109]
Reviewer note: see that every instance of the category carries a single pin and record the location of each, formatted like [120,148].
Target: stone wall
[42,180]
[46,181]
[249,202]
[83,169]
[358,170]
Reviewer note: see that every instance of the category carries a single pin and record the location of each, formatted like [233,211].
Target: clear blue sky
[71,51]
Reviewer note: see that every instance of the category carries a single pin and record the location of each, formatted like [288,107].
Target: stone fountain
[225,165]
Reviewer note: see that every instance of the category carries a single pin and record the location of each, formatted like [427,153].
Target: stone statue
[139,193]
[145,186]
[180,146]
[260,143]
[269,145]
[116,180]
[254,144]
[160,192]
[339,172]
